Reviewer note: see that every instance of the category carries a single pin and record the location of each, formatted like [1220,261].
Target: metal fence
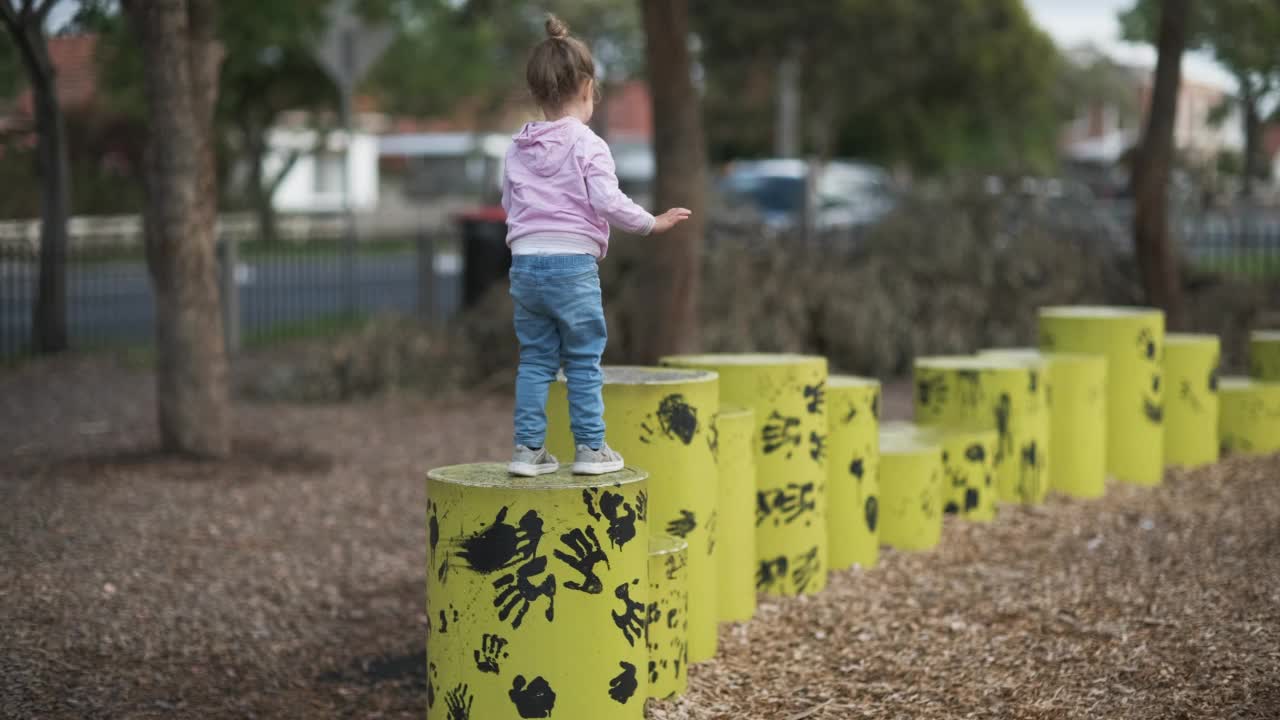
[278,290]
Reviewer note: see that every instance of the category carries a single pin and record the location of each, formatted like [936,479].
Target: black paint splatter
[817,446]
[713,438]
[1033,382]
[654,615]
[713,531]
[586,554]
[682,525]
[534,700]
[951,508]
[458,701]
[1002,409]
[1213,378]
[492,649]
[779,432]
[673,616]
[1029,476]
[677,418]
[517,592]
[969,387]
[642,506]
[653,672]
[622,518]
[786,504]
[1189,397]
[675,563]
[875,405]
[431,685]
[850,412]
[931,392]
[856,468]
[500,546]
[631,620]
[814,396]
[1153,411]
[970,499]
[805,568]
[624,685]
[871,510]
[1147,344]
[975,453]
[433,526]
[771,572]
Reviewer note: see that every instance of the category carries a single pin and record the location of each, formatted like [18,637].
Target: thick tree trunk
[671,276]
[49,312]
[182,59]
[1152,245]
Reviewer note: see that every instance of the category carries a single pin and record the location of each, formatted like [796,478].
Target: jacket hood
[543,147]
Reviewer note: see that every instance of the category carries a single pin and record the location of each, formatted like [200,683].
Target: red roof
[75,72]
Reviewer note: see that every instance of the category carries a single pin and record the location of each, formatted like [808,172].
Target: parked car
[847,194]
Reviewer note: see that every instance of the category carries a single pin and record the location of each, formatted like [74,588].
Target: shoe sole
[530,470]
[597,468]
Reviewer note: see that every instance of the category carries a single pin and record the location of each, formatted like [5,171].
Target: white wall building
[314,183]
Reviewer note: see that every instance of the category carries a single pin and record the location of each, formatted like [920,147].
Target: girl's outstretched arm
[606,198]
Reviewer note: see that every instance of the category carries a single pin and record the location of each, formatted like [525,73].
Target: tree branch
[9,16]
[42,10]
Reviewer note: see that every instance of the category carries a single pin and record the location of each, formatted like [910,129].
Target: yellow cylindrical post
[668,617]
[736,553]
[1076,396]
[853,460]
[968,465]
[537,593]
[910,490]
[992,393]
[1132,339]
[1191,399]
[1249,419]
[1264,355]
[663,420]
[788,395]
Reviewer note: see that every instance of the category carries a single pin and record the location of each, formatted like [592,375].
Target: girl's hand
[669,219]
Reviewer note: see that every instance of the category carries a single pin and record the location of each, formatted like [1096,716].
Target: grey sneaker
[596,462]
[532,463]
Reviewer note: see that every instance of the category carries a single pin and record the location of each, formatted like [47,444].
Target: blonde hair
[558,66]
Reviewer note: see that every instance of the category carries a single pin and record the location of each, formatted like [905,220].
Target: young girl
[561,194]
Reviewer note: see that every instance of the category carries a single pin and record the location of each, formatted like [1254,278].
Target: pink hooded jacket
[560,183]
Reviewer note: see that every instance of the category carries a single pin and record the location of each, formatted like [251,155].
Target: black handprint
[624,685]
[677,418]
[642,506]
[814,396]
[516,590]
[805,569]
[779,432]
[789,503]
[675,563]
[683,525]
[500,546]
[631,620]
[534,700]
[931,391]
[587,552]
[458,701]
[622,518]
[771,572]
[713,531]
[817,446]
[969,387]
[491,650]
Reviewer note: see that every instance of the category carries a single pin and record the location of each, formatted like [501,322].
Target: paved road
[111,303]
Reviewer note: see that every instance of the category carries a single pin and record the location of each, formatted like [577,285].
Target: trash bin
[486,259]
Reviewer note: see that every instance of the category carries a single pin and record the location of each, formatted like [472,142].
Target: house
[314,183]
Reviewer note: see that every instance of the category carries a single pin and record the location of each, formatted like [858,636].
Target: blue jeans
[559,319]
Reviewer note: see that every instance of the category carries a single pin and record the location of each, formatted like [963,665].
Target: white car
[848,194]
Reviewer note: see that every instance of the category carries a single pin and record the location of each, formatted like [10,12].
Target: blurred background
[865,165]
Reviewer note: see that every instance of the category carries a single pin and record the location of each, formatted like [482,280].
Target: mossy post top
[736,411]
[907,439]
[495,475]
[931,434]
[971,362]
[1240,384]
[851,381]
[666,545]
[1098,312]
[1193,339]
[1053,357]
[742,360]
[645,375]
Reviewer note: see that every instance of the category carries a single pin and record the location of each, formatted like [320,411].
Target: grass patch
[322,326]
[1258,264]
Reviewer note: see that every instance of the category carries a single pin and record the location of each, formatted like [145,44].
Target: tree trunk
[671,274]
[182,59]
[1156,259]
[260,191]
[49,313]
[1253,155]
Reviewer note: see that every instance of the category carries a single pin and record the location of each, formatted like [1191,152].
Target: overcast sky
[1073,22]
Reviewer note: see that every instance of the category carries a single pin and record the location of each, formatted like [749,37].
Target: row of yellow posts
[577,597]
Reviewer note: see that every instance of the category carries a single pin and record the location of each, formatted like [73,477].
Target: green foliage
[11,74]
[934,85]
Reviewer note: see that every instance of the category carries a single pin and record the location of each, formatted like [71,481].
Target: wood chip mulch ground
[288,583]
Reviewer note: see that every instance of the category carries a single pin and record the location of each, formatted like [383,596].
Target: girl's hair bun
[556,28]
